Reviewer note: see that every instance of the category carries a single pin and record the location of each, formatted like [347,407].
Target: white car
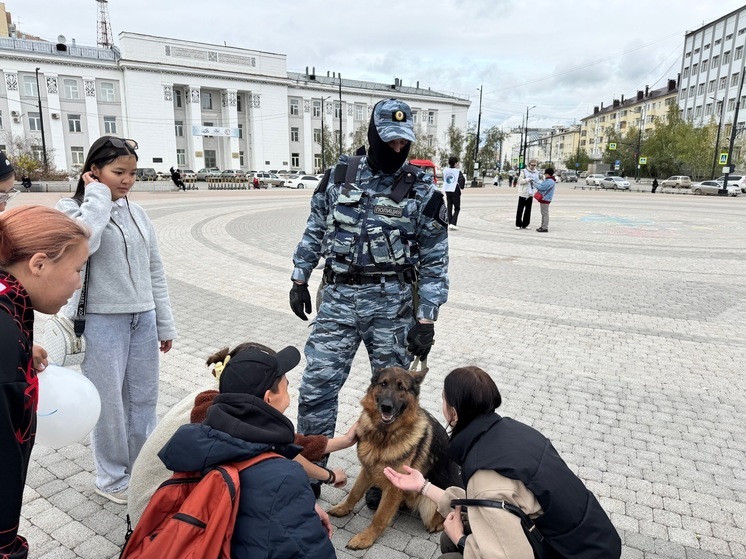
[302,181]
[739,180]
[595,179]
[616,183]
[713,187]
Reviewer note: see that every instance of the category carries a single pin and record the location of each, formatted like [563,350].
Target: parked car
[677,181]
[202,174]
[269,179]
[594,179]
[146,174]
[712,187]
[740,180]
[427,166]
[583,174]
[568,176]
[302,181]
[617,183]
[188,174]
[237,174]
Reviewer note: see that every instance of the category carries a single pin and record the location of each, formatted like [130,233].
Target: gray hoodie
[126,270]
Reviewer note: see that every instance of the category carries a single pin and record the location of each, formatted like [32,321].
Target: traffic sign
[723,158]
[612,146]
[577,165]
[643,161]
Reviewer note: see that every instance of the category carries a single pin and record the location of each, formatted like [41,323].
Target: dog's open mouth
[388,418]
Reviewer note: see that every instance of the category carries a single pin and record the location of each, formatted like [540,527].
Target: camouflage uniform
[370,238]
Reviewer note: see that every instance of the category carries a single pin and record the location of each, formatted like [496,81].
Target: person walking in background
[26,182]
[41,254]
[655,185]
[176,177]
[544,194]
[129,313]
[529,178]
[7,181]
[454,182]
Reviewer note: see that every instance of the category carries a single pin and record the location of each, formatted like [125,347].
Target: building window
[708,109]
[732,104]
[729,37]
[715,62]
[206,100]
[689,113]
[34,122]
[77,155]
[453,120]
[431,117]
[717,42]
[240,131]
[317,109]
[739,53]
[698,111]
[622,125]
[29,86]
[719,107]
[38,154]
[734,80]
[726,57]
[741,31]
[691,91]
[180,156]
[71,89]
[711,86]
[294,134]
[317,135]
[723,82]
[695,67]
[178,102]
[337,110]
[239,105]
[179,128]
[317,161]
[707,46]
[696,51]
[414,117]
[359,109]
[73,123]
[295,159]
[701,89]
[241,160]
[110,125]
[106,91]
[294,107]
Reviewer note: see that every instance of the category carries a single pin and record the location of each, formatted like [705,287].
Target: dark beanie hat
[253,371]
[6,167]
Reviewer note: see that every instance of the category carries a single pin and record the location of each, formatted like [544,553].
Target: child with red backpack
[266,506]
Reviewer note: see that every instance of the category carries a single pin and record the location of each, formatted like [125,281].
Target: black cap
[253,371]
[6,167]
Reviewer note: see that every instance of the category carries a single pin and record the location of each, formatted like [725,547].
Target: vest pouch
[378,246]
[396,246]
[347,209]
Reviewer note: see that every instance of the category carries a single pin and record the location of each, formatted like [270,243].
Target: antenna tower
[104,38]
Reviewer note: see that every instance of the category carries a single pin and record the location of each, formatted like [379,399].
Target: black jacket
[573,520]
[276,517]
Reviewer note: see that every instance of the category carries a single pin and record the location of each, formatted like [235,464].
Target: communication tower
[104,38]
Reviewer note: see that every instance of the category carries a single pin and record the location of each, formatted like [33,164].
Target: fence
[241,182]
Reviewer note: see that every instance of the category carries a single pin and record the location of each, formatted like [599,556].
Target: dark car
[146,174]
[569,176]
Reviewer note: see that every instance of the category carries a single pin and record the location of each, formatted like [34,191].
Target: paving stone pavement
[619,335]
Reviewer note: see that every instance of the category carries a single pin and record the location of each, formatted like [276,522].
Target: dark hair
[471,392]
[549,171]
[452,160]
[100,154]
[220,355]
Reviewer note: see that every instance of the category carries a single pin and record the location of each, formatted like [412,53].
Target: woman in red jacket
[42,252]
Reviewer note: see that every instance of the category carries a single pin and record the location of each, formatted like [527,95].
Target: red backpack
[191,515]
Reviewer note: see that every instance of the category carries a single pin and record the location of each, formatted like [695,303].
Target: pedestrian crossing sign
[612,146]
[643,161]
[723,158]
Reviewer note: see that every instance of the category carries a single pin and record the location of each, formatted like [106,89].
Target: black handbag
[540,545]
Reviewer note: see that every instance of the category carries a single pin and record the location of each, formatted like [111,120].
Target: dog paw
[362,540]
[340,510]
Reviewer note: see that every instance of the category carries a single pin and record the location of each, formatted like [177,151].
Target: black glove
[300,300]
[420,339]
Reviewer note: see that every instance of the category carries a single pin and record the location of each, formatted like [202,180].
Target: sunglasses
[120,143]
[5,196]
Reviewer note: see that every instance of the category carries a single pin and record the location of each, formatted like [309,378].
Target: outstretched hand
[411,480]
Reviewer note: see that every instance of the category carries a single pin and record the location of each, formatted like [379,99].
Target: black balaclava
[380,156]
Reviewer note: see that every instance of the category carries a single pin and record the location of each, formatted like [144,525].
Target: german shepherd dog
[394,430]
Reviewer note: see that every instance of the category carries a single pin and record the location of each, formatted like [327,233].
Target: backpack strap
[526,521]
[243,465]
[347,172]
[404,182]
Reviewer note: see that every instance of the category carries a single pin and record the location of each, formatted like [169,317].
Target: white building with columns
[192,104]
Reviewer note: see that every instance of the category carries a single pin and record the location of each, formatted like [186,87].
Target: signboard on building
[215,131]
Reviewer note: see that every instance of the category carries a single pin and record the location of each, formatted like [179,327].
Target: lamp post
[340,114]
[476,145]
[638,151]
[551,141]
[724,191]
[41,123]
[717,138]
[525,139]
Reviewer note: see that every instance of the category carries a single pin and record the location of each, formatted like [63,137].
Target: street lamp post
[41,123]
[476,145]
[724,191]
[340,114]
[551,141]
[525,139]
[717,138]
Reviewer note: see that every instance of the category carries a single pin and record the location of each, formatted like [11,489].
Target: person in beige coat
[512,475]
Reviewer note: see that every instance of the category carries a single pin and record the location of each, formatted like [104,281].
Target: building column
[56,136]
[257,149]
[196,155]
[169,116]
[231,159]
[91,109]
[307,160]
[16,111]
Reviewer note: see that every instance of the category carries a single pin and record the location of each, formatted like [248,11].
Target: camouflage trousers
[377,315]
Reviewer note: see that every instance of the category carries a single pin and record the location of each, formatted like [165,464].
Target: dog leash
[417,362]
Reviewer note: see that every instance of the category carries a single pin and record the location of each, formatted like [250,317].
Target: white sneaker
[454,228]
[118,497]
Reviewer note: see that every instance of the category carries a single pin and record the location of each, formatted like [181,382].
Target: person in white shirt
[528,179]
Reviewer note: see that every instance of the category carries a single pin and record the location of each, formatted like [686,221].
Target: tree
[26,154]
[330,147]
[625,152]
[424,147]
[578,160]
[454,145]
[471,140]
[359,138]
[489,150]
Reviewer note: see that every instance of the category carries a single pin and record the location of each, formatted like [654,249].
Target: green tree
[625,152]
[489,149]
[676,147]
[454,145]
[330,148]
[359,138]
[25,153]
[424,147]
[471,141]
[578,160]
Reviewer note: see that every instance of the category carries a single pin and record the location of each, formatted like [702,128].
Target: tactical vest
[373,232]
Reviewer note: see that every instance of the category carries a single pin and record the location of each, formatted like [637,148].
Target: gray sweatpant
[544,216]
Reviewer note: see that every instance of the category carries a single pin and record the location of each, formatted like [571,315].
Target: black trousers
[454,205]
[523,213]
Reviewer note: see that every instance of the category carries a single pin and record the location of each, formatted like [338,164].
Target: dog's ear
[376,374]
[418,376]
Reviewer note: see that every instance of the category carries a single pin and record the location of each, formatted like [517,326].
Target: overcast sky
[564,56]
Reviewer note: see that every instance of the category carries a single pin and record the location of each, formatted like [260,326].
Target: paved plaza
[619,335]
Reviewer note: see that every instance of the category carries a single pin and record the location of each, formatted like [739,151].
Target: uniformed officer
[381,227]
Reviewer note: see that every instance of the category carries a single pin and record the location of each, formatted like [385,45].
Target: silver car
[616,183]
[712,187]
[594,179]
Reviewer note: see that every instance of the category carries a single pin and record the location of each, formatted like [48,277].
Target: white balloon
[69,406]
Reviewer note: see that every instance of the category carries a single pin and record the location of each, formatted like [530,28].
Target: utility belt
[405,276]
